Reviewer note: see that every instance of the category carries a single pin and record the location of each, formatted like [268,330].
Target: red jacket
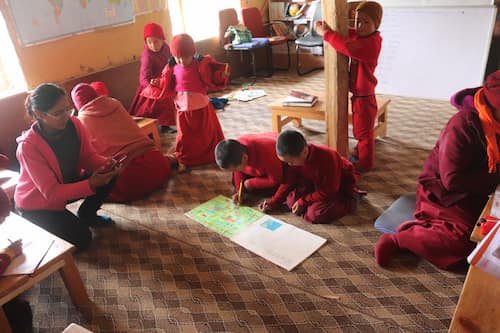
[364,52]
[263,163]
[331,175]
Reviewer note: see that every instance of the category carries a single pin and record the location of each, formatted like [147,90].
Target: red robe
[264,169]
[152,64]
[324,185]
[363,53]
[198,128]
[453,188]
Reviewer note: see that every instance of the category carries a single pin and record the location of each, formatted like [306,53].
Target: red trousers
[143,175]
[364,112]
[161,109]
[440,234]
[324,211]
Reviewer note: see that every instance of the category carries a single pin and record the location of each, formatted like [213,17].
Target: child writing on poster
[189,78]
[319,184]
[362,46]
[253,162]
[154,57]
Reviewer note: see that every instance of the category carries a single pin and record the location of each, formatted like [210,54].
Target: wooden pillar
[337,82]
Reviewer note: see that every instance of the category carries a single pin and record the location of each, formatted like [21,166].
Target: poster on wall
[43,20]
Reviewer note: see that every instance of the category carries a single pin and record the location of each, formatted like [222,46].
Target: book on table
[299,98]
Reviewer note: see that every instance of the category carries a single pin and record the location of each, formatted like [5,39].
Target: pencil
[10,241]
[239,192]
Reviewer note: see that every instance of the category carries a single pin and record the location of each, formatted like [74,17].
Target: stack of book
[299,98]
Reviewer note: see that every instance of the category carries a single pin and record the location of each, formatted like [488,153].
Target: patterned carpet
[159,271]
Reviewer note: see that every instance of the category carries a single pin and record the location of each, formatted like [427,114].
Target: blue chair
[229,17]
[309,38]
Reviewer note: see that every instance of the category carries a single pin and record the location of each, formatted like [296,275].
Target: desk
[478,308]
[58,258]
[8,181]
[282,115]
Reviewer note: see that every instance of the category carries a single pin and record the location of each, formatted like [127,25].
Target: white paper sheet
[33,253]
[281,243]
[486,255]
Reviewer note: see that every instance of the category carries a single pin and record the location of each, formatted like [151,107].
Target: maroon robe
[152,64]
[453,188]
[324,185]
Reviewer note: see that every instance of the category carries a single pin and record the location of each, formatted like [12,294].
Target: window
[11,77]
[199,19]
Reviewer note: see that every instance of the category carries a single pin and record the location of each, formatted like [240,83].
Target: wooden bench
[282,115]
[149,127]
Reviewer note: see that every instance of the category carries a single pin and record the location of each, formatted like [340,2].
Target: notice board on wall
[431,52]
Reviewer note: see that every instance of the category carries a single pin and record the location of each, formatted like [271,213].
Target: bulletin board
[432,52]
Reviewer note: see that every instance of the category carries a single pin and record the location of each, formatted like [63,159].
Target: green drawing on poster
[224,217]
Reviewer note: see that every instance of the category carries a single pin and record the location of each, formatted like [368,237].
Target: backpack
[238,34]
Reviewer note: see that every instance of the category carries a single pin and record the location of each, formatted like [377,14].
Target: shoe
[168,129]
[99,221]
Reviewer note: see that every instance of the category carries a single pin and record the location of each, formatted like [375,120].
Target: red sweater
[263,164]
[364,52]
[331,175]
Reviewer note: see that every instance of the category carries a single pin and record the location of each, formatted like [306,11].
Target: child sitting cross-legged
[253,161]
[319,184]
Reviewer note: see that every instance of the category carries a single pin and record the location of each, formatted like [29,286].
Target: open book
[299,98]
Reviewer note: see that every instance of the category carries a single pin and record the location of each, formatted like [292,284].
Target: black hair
[43,98]
[290,143]
[228,153]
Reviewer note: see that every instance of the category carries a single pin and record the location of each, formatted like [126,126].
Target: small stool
[149,127]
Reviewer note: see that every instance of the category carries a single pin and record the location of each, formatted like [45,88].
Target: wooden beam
[337,80]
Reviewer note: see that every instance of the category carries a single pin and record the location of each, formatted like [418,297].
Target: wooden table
[58,258]
[149,127]
[8,181]
[478,309]
[282,115]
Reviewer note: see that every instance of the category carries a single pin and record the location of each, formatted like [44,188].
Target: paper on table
[281,243]
[486,255]
[495,208]
[33,253]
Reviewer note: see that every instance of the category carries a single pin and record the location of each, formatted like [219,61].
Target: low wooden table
[58,258]
[282,115]
[149,127]
[478,307]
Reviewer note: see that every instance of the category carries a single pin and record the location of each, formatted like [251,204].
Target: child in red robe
[362,46]
[154,57]
[457,177]
[189,79]
[114,133]
[319,183]
[253,161]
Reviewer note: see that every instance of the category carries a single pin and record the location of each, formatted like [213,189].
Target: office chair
[252,19]
[310,38]
[228,17]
